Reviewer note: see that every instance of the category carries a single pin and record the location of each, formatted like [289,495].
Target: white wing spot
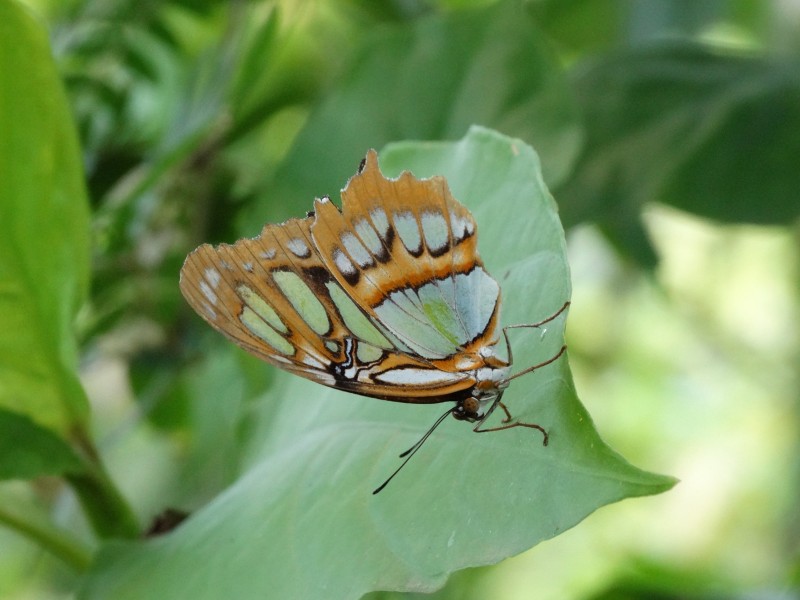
[212,276]
[381,222]
[417,376]
[460,226]
[208,293]
[212,314]
[357,250]
[323,378]
[434,227]
[407,228]
[268,254]
[368,236]
[226,265]
[312,362]
[248,266]
[298,247]
[343,263]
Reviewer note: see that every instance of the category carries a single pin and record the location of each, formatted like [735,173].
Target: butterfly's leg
[533,325]
[552,317]
[511,425]
[506,422]
[507,425]
[508,416]
[540,365]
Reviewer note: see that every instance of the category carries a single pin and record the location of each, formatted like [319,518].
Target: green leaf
[44,231]
[302,522]
[583,27]
[744,169]
[44,267]
[433,78]
[712,132]
[28,450]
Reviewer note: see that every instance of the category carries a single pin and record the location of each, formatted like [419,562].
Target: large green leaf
[715,133]
[44,225]
[302,522]
[432,78]
[28,450]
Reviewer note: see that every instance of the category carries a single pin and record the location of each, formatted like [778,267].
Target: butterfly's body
[386,298]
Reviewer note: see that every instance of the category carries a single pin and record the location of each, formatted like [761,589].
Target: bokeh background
[669,132]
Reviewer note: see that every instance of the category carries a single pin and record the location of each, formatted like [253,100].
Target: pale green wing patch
[257,325]
[259,306]
[303,300]
[404,315]
[355,320]
[367,353]
[443,315]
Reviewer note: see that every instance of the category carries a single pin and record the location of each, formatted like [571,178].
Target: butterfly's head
[472,409]
[468,410]
[489,386]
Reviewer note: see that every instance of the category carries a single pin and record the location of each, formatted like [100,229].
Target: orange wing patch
[393,234]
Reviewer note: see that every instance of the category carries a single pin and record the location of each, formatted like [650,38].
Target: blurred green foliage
[668,131]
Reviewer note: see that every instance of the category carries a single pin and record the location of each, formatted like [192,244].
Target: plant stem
[60,543]
[103,504]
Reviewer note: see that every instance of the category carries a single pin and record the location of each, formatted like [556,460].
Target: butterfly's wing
[406,251]
[273,296]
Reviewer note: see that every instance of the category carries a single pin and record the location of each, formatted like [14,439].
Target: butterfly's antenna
[413,450]
[540,365]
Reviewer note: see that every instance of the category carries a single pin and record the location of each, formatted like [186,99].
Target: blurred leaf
[299,519]
[277,68]
[581,25]
[28,450]
[467,584]
[44,225]
[158,389]
[585,27]
[218,387]
[432,79]
[285,61]
[745,169]
[713,133]
[44,261]
[642,579]
[251,83]
[393,10]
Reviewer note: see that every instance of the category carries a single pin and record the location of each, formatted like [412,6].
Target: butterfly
[386,297]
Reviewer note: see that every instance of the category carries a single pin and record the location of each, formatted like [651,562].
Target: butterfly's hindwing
[406,252]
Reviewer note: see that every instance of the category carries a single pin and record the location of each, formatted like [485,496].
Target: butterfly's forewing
[406,251]
[274,296]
